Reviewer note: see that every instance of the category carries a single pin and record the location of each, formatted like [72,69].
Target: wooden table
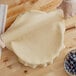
[9,65]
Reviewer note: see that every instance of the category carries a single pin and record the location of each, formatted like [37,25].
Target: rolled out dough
[36,37]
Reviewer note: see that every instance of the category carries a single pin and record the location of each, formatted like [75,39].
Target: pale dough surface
[36,37]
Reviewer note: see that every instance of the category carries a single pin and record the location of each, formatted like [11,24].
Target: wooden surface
[9,65]
[16,7]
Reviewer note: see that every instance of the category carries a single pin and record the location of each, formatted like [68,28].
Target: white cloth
[69,7]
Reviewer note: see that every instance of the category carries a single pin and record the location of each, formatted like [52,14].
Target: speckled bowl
[70,63]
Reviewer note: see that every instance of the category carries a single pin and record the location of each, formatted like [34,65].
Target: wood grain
[25,5]
[16,7]
[9,65]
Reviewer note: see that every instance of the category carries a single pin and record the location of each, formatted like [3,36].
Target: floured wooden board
[16,7]
[9,65]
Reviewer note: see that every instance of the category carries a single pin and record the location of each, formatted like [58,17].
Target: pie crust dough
[36,37]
